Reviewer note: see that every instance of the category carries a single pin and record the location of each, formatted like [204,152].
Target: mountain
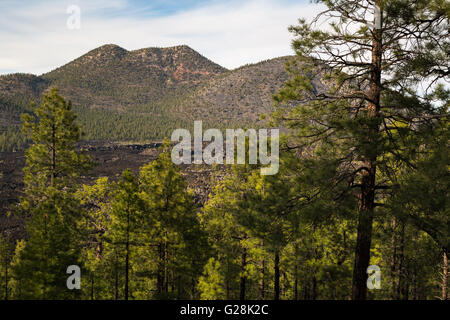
[114,78]
[144,94]
[237,97]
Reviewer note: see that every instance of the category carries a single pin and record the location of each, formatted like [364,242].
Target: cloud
[34,38]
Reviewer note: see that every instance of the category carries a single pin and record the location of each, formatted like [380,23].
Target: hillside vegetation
[143,95]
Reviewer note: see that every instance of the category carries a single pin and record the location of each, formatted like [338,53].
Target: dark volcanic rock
[111,160]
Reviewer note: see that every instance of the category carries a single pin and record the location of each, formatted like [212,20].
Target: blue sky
[34,36]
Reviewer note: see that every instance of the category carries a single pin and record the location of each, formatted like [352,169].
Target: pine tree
[52,159]
[16,282]
[421,192]
[211,283]
[53,213]
[268,215]
[171,225]
[372,56]
[125,228]
[247,209]
[229,240]
[96,199]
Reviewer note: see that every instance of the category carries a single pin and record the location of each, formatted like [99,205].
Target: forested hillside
[145,94]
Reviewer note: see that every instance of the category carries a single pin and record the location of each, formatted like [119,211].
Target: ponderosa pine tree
[421,193]
[381,62]
[53,166]
[229,240]
[125,229]
[171,226]
[248,210]
[268,214]
[52,159]
[98,260]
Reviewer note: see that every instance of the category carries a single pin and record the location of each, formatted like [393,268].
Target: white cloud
[35,38]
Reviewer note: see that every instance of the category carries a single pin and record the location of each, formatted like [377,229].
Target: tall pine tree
[380,62]
[53,167]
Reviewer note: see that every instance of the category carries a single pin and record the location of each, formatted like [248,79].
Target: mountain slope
[112,77]
[145,94]
[237,97]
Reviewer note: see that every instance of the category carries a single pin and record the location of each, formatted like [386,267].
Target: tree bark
[172,282]
[160,280]
[314,288]
[367,196]
[178,287]
[277,276]
[393,258]
[445,276]
[295,282]
[363,241]
[6,275]
[262,284]
[92,286]
[400,262]
[243,277]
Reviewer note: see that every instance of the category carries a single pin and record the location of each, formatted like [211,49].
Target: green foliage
[145,94]
[422,191]
[368,121]
[6,256]
[49,205]
[52,160]
[174,230]
[144,237]
[211,283]
[53,245]
[358,148]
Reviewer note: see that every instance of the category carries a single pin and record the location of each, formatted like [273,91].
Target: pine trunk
[400,262]
[314,288]
[367,196]
[6,276]
[159,280]
[277,277]
[445,276]
[243,277]
[92,287]
[295,282]
[262,284]
[393,257]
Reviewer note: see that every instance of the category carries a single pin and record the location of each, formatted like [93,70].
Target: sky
[37,36]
